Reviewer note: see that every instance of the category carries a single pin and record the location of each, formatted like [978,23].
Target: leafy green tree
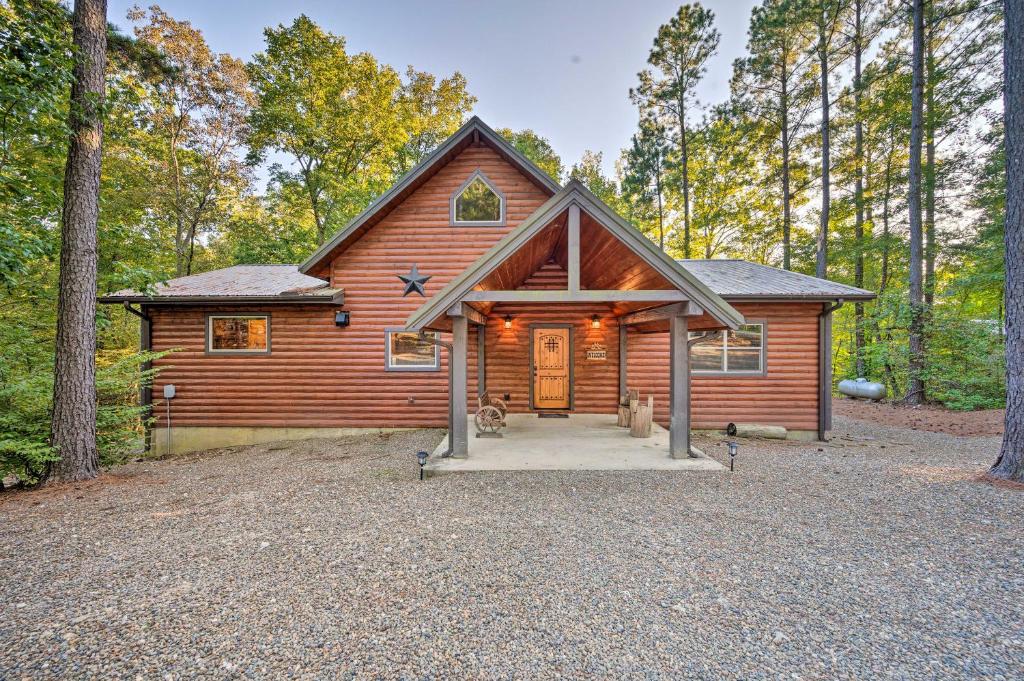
[198,108]
[588,172]
[678,61]
[35,73]
[273,228]
[643,181]
[349,122]
[435,112]
[731,214]
[536,148]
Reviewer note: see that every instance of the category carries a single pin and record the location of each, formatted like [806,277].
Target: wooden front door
[551,368]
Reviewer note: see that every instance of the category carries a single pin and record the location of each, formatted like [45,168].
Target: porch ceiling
[607,261]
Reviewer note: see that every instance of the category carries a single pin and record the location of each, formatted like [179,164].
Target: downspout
[145,345]
[825,368]
[451,407]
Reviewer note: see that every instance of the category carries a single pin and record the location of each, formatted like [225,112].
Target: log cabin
[476,272]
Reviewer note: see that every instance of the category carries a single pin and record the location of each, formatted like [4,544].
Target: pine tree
[1010,463]
[678,59]
[74,387]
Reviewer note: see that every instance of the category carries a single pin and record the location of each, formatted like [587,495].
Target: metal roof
[257,283]
[730,279]
[737,279]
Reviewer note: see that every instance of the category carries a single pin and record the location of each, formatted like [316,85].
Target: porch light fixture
[508,321]
[595,322]
[342,318]
[421,458]
[733,450]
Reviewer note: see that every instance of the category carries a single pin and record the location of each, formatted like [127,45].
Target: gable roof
[473,129]
[738,279]
[574,193]
[256,283]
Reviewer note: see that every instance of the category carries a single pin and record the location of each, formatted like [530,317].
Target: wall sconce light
[342,318]
[508,321]
[595,322]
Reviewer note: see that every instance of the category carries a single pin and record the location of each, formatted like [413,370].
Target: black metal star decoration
[414,282]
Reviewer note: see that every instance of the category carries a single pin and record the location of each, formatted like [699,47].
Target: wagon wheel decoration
[488,419]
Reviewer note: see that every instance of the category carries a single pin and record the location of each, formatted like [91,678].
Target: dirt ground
[931,418]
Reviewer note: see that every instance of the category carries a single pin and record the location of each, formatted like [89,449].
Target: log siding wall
[320,375]
[787,395]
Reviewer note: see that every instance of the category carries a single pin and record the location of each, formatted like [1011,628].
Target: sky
[563,69]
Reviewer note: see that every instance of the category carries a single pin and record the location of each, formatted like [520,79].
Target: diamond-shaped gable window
[478,203]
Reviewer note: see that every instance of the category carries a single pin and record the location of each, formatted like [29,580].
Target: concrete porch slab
[587,442]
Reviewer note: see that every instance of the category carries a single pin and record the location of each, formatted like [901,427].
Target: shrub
[26,406]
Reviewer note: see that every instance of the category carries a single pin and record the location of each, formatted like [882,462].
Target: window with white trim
[238,334]
[407,351]
[739,351]
[478,202]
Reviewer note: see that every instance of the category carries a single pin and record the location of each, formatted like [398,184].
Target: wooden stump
[640,425]
[623,420]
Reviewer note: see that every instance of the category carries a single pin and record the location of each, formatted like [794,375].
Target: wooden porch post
[460,426]
[623,358]
[481,359]
[573,228]
[679,387]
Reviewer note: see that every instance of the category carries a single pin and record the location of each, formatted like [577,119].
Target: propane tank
[862,387]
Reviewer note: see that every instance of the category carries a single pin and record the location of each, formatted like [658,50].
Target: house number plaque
[597,353]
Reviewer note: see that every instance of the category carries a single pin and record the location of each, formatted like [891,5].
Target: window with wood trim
[478,202]
[739,351]
[407,351]
[238,334]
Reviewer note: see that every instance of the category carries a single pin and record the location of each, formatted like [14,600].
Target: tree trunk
[858,228]
[821,270]
[915,386]
[661,209]
[684,151]
[883,278]
[787,218]
[1010,463]
[930,247]
[74,388]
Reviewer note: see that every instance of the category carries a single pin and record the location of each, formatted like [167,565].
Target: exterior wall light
[342,318]
[508,321]
[595,322]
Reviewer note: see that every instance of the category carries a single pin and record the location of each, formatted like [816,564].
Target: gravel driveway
[879,555]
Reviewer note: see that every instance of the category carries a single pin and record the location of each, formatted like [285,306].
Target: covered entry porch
[572,254]
[579,442]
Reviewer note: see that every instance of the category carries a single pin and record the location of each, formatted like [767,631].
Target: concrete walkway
[580,442]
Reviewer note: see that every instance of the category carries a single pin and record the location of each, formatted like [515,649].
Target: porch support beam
[679,387]
[574,248]
[472,314]
[481,360]
[585,296]
[459,437]
[623,358]
[825,368]
[654,314]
